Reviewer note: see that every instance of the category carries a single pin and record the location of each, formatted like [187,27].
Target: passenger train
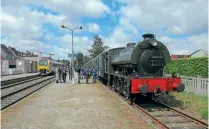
[137,69]
[46,66]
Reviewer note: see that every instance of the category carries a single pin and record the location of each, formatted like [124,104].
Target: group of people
[61,73]
[86,73]
[83,73]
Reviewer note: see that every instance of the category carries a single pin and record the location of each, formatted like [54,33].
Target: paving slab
[67,106]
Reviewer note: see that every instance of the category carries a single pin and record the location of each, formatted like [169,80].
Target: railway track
[16,80]
[165,116]
[12,83]
[13,92]
[169,118]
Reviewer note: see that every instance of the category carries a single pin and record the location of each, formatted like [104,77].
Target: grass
[197,104]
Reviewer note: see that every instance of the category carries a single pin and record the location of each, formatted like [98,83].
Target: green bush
[188,67]
[204,113]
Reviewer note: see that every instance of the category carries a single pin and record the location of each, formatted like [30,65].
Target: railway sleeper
[166,115]
[188,127]
[154,109]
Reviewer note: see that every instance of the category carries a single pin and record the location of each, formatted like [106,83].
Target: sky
[182,25]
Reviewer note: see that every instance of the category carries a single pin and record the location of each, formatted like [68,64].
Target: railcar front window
[43,63]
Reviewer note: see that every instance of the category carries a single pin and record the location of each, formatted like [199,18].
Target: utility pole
[51,55]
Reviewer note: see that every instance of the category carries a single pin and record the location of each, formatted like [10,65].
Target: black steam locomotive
[137,68]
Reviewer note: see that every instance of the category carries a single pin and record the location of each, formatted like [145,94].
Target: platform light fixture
[73,82]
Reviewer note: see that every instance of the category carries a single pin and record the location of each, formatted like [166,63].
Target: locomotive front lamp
[153,42]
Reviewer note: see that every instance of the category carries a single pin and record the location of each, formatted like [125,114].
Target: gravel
[67,106]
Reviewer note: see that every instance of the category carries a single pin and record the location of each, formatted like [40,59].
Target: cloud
[34,46]
[185,46]
[139,17]
[26,24]
[80,43]
[71,9]
[123,33]
[180,17]
[23,24]
[93,27]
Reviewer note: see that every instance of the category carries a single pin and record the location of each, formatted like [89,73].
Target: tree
[97,47]
[29,53]
[86,59]
[79,59]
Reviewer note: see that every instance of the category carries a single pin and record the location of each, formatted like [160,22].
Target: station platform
[8,77]
[67,106]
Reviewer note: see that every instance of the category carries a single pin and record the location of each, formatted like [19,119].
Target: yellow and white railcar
[46,66]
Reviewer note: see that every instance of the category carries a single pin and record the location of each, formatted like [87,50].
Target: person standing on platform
[70,74]
[79,75]
[86,73]
[64,74]
[89,73]
[57,75]
[94,73]
[61,73]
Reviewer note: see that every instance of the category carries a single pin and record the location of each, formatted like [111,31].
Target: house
[175,57]
[198,53]
[65,62]
[6,54]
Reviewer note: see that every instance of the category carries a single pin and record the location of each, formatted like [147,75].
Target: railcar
[137,69]
[45,66]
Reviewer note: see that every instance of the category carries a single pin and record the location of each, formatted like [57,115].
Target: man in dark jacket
[79,74]
[70,74]
[86,74]
[94,73]
[64,74]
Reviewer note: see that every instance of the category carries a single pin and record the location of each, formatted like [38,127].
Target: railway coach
[46,66]
[137,69]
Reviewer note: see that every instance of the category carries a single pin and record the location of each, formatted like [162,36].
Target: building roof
[196,52]
[5,49]
[16,52]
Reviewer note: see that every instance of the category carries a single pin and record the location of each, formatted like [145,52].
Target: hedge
[188,67]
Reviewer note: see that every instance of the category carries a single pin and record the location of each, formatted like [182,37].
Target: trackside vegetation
[188,67]
[195,104]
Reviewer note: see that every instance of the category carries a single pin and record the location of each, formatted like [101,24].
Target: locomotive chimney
[148,36]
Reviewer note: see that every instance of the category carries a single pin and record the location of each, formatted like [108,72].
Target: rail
[15,93]
[151,109]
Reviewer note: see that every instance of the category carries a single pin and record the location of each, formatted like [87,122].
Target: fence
[197,85]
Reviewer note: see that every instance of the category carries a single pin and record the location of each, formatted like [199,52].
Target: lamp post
[72,49]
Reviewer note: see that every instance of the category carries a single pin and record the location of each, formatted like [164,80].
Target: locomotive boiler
[147,59]
[137,69]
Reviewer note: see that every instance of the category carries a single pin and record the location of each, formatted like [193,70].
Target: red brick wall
[174,57]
